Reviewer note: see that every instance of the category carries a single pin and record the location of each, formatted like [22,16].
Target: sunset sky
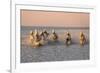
[56,19]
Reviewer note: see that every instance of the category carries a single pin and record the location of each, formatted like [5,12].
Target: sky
[56,19]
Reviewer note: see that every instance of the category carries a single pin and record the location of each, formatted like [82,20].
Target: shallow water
[55,51]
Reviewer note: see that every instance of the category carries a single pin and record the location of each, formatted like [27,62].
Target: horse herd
[38,39]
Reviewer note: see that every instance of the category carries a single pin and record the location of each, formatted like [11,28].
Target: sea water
[54,51]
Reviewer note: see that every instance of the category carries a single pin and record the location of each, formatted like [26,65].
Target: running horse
[82,38]
[68,38]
